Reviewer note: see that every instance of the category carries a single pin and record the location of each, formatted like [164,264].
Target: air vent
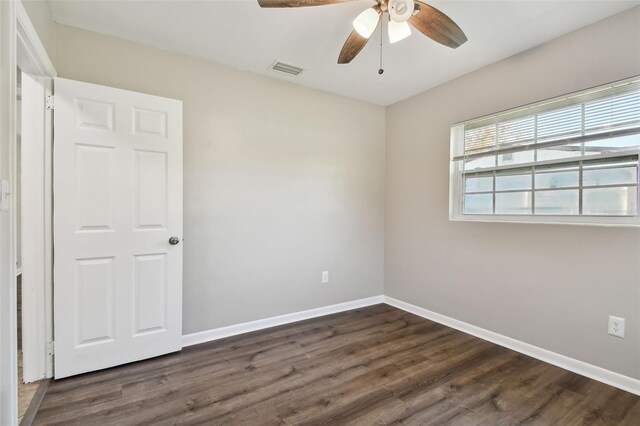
[286,68]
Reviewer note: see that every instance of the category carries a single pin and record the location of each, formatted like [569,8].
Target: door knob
[174,240]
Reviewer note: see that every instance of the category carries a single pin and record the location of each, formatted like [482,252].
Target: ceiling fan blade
[297,3]
[437,26]
[354,44]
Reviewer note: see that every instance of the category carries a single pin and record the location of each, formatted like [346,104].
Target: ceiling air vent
[286,68]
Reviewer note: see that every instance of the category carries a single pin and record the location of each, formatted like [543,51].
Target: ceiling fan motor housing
[400,10]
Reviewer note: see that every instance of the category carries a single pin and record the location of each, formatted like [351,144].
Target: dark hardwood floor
[376,365]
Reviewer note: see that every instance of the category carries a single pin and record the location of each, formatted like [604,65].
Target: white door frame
[19,46]
[36,162]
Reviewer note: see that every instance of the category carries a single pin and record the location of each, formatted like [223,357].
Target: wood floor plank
[313,373]
[370,366]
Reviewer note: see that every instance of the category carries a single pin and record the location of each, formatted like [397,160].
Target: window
[572,159]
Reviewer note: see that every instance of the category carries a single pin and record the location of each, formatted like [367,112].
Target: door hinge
[51,348]
[49,102]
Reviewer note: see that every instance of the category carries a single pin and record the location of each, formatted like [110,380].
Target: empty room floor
[375,365]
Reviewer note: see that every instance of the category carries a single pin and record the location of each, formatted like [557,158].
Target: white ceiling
[242,35]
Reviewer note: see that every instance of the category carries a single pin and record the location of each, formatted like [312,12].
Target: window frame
[457,177]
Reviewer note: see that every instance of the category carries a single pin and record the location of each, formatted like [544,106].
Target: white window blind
[573,158]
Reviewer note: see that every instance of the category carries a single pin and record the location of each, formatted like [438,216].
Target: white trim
[48,231]
[18,272]
[617,380]
[32,56]
[247,327]
[36,216]
[613,221]
[8,325]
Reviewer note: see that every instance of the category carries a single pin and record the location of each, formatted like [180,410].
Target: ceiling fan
[426,19]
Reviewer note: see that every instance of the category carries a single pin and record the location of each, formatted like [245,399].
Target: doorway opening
[23,51]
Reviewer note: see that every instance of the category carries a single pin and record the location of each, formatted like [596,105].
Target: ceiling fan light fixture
[398,31]
[400,10]
[365,24]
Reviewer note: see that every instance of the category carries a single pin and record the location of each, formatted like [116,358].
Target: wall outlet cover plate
[616,326]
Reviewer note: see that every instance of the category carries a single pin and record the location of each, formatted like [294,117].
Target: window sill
[616,221]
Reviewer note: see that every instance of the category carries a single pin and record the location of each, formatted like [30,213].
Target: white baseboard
[617,380]
[233,330]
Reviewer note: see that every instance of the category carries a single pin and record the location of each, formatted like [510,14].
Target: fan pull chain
[380,71]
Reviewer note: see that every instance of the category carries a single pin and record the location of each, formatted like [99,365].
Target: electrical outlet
[616,326]
[325,277]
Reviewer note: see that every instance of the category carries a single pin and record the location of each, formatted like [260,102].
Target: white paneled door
[117,226]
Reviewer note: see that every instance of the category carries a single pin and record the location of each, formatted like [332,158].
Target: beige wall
[548,285]
[281,182]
